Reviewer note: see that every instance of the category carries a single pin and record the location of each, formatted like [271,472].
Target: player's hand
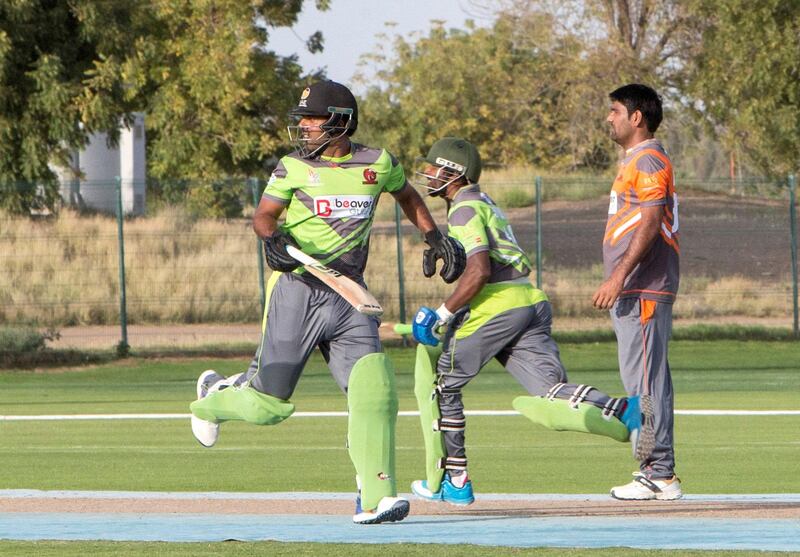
[275,251]
[607,294]
[449,250]
[424,327]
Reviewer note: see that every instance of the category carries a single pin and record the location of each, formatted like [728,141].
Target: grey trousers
[644,369]
[301,316]
[520,339]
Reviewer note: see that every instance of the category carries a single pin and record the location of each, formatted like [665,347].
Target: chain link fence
[176,276]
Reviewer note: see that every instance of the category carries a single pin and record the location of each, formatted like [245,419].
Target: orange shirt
[645,179]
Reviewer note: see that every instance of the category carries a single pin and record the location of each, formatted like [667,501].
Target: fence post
[401,281]
[538,232]
[793,226]
[259,247]
[123,347]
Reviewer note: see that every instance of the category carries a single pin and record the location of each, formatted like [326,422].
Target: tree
[746,79]
[214,96]
[513,89]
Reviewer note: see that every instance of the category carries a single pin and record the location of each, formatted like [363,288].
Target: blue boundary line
[589,532]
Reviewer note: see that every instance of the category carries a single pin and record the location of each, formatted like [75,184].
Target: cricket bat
[352,292]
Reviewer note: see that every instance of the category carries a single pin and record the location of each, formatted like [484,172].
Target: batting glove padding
[424,327]
[449,250]
[275,251]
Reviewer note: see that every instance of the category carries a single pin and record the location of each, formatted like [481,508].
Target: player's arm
[471,282]
[414,208]
[641,242]
[265,219]
[265,225]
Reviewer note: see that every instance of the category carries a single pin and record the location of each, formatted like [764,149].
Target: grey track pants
[520,339]
[644,369]
[300,317]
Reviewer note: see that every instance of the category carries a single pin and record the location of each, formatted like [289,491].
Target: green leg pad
[559,415]
[246,404]
[372,403]
[428,402]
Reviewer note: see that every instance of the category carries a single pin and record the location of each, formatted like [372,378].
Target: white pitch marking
[64,417]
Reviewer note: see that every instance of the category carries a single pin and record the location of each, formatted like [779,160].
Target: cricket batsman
[329,189]
[495,312]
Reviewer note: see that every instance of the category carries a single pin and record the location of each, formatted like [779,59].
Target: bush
[24,340]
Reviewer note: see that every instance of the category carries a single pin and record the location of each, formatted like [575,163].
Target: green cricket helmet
[453,158]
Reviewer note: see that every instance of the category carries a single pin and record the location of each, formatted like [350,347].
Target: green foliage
[214,96]
[21,340]
[747,77]
[504,88]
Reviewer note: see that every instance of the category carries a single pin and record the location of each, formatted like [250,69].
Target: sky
[350,27]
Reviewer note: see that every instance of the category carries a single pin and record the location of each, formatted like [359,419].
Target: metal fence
[173,277]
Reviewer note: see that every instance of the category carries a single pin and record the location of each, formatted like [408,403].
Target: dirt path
[174,336]
[516,508]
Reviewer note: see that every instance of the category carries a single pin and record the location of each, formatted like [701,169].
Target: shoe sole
[396,513]
[200,385]
[458,503]
[615,496]
[646,440]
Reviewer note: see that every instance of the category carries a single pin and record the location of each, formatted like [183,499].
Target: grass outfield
[275,549]
[716,454]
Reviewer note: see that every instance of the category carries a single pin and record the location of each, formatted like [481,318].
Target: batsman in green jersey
[495,312]
[328,189]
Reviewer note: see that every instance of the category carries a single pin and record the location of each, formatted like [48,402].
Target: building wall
[101,165]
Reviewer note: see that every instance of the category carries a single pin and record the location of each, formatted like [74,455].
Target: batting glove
[449,250]
[275,250]
[426,323]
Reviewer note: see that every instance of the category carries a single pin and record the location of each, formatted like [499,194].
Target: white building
[100,168]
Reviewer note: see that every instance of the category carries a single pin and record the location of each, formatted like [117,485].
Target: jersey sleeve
[652,180]
[466,225]
[397,177]
[279,187]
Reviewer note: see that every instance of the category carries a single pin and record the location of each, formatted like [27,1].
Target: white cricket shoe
[643,489]
[209,381]
[389,509]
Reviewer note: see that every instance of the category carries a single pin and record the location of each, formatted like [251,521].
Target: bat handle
[402,328]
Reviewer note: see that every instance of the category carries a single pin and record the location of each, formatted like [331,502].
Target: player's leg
[534,360]
[292,327]
[643,329]
[442,408]
[360,368]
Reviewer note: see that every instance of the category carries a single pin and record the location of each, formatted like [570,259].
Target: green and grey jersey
[331,203]
[480,225]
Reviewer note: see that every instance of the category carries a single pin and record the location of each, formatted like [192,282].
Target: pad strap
[580,394]
[453,463]
[554,390]
[450,424]
[611,407]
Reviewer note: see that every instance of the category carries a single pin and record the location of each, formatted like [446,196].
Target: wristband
[444,314]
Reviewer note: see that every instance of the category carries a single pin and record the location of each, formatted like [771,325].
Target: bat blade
[356,295]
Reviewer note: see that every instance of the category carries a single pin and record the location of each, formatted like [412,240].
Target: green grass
[507,454]
[276,549]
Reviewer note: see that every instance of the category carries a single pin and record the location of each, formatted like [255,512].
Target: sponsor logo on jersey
[384,476]
[313,177]
[370,176]
[272,179]
[344,206]
[612,204]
